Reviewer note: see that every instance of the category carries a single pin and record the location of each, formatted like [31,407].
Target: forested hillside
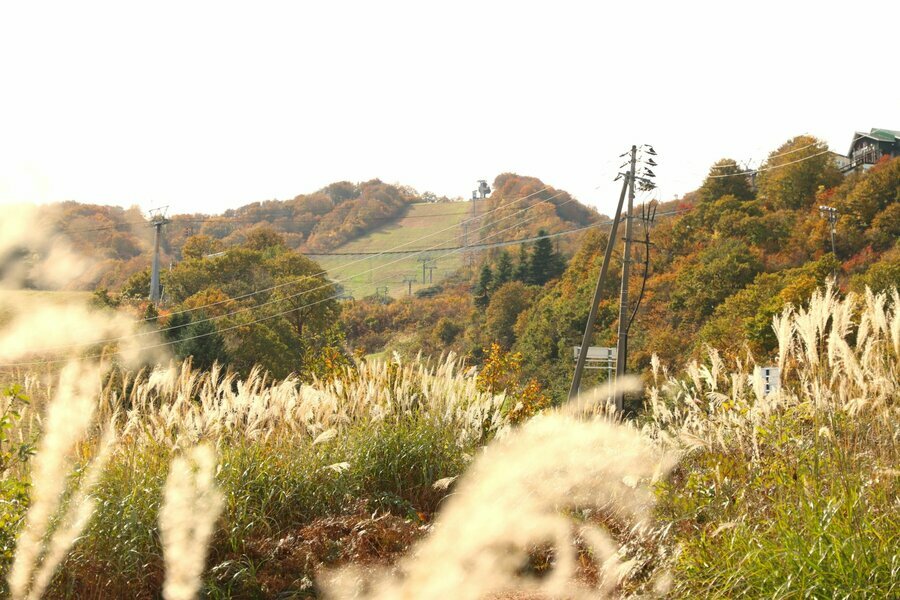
[521,206]
[720,271]
[321,455]
[120,240]
[723,261]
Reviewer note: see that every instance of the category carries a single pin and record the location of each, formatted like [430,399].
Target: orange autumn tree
[502,372]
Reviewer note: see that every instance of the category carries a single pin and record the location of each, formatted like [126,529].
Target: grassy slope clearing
[442,222]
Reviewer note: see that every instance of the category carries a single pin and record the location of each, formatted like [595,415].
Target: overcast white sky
[207,106]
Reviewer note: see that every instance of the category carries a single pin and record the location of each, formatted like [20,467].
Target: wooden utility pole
[598,291]
[622,345]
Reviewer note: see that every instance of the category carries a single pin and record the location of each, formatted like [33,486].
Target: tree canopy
[795,171]
[268,305]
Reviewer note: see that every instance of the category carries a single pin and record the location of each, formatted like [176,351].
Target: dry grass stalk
[191,505]
[830,365]
[180,405]
[68,419]
[78,512]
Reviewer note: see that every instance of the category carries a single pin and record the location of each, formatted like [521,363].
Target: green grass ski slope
[361,275]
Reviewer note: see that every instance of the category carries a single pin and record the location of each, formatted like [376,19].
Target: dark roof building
[866,149]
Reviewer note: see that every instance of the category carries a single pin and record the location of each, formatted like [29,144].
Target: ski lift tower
[157,220]
[481,193]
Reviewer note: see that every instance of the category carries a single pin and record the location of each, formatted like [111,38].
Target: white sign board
[597,353]
[771,378]
[598,357]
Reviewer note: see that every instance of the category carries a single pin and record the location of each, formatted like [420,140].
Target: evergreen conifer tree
[505,269]
[203,343]
[545,264]
[523,268]
[176,327]
[483,287]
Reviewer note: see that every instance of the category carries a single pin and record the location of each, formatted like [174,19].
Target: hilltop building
[866,149]
[843,162]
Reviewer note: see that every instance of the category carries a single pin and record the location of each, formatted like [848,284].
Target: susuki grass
[546,485]
[794,493]
[191,505]
[287,453]
[41,545]
[787,494]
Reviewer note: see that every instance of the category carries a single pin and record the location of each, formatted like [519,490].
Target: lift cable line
[818,144]
[390,250]
[769,168]
[106,227]
[403,245]
[306,277]
[350,277]
[230,328]
[452,250]
[179,220]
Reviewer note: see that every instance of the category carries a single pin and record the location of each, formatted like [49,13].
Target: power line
[233,327]
[106,227]
[770,157]
[320,301]
[470,247]
[770,168]
[302,278]
[325,271]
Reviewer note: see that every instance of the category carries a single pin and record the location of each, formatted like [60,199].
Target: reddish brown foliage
[290,562]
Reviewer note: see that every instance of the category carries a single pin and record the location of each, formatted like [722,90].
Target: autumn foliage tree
[726,178]
[712,275]
[200,245]
[794,171]
[268,305]
[501,372]
[506,304]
